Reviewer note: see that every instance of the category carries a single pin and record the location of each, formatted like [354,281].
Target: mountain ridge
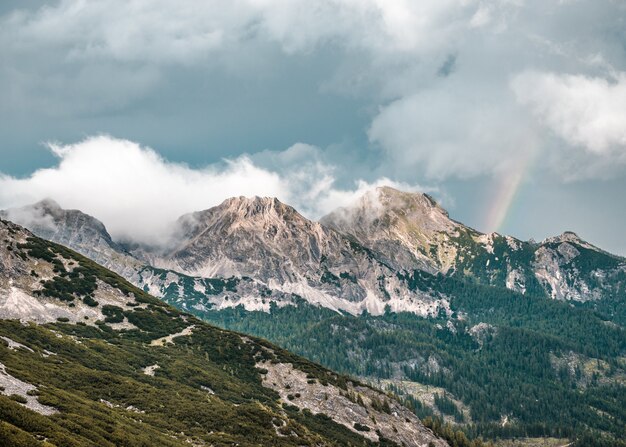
[84,352]
[510,318]
[355,258]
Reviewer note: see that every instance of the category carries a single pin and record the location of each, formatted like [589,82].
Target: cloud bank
[588,113]
[138,194]
[451,88]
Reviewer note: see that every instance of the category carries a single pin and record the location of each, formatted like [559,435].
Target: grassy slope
[96,380]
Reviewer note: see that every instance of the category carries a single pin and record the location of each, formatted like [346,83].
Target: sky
[512,113]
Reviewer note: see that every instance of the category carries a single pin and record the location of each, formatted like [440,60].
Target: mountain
[87,359]
[413,231]
[504,337]
[252,252]
[409,230]
[257,251]
[73,228]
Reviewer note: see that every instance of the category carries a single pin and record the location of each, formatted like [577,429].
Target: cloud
[138,194]
[432,76]
[163,32]
[587,112]
[450,131]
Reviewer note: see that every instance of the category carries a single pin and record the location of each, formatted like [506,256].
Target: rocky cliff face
[75,229]
[404,228]
[412,231]
[289,255]
[258,251]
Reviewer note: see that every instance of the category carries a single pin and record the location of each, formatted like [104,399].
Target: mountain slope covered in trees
[501,336]
[87,359]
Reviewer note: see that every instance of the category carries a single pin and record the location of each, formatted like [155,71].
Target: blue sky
[511,112]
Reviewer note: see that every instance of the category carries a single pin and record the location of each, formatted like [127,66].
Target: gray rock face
[258,237]
[402,227]
[270,242]
[71,228]
[358,408]
[258,251]
[412,231]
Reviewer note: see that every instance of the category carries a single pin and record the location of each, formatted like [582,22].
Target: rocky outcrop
[357,407]
[257,251]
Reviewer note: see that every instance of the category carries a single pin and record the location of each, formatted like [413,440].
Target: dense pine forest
[524,365]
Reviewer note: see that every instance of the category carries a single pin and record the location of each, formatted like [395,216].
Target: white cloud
[94,58]
[161,31]
[449,131]
[588,112]
[138,194]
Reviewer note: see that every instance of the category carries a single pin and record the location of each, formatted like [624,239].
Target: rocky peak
[393,198]
[73,228]
[569,237]
[46,218]
[388,210]
[48,206]
[254,208]
[256,205]
[402,226]
[264,217]
[244,236]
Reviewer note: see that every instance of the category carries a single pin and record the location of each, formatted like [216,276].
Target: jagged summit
[256,204]
[358,257]
[72,228]
[48,213]
[403,226]
[251,208]
[262,218]
[395,197]
[571,237]
[386,209]
[566,236]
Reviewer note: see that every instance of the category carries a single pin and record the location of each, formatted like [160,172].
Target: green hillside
[147,374]
[523,365]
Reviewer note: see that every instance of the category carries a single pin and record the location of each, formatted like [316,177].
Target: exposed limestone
[10,385]
[170,338]
[352,408]
[149,370]
[13,345]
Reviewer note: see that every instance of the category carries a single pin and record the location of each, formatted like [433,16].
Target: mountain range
[255,251]
[500,336]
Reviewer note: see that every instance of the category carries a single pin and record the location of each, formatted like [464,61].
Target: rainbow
[509,184]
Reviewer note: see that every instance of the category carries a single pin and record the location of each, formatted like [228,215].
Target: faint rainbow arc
[509,186]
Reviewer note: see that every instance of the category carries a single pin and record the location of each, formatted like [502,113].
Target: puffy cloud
[451,131]
[589,112]
[138,194]
[433,75]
